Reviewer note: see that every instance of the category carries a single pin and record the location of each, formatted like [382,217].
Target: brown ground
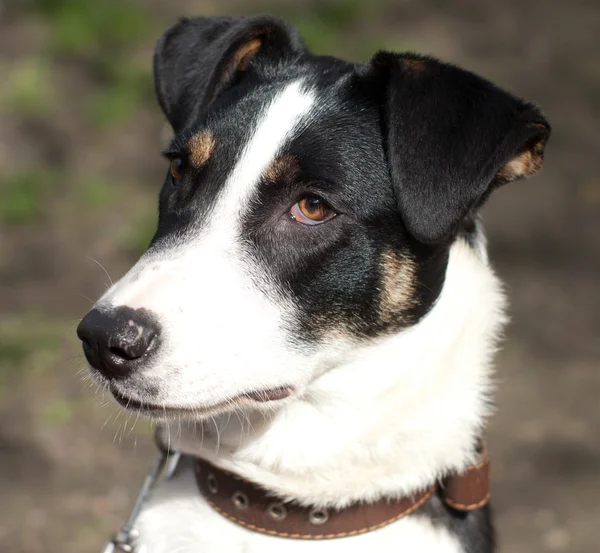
[66,481]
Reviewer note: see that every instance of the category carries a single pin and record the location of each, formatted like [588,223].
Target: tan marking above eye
[285,165]
[200,147]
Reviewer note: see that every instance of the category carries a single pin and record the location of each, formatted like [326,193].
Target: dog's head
[309,209]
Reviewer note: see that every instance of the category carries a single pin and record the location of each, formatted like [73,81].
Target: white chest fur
[178,520]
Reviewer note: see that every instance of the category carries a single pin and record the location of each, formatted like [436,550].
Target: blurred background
[80,136]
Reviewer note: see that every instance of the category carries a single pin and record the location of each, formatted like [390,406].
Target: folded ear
[198,58]
[451,138]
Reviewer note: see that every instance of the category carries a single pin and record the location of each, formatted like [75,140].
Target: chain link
[126,539]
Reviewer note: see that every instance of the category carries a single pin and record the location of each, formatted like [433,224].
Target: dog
[316,314]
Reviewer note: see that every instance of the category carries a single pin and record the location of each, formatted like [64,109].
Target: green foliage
[112,105]
[23,195]
[26,343]
[324,25]
[337,27]
[341,12]
[127,86]
[91,27]
[13,350]
[27,88]
[57,413]
[96,192]
[20,339]
[103,34]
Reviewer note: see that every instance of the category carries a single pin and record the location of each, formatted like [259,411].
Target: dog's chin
[252,400]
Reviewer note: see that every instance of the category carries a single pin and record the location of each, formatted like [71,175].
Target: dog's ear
[451,137]
[198,58]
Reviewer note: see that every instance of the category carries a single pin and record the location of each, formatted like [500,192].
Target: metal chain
[126,539]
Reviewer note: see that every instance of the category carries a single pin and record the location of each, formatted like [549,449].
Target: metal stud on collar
[211,481]
[277,511]
[240,500]
[318,516]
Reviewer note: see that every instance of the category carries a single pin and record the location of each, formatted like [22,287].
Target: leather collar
[253,507]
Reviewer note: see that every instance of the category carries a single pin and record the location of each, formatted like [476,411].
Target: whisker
[102,267]
[137,417]
[84,297]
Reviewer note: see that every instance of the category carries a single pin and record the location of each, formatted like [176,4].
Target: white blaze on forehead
[275,127]
[214,302]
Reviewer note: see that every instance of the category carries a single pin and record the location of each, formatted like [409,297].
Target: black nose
[118,341]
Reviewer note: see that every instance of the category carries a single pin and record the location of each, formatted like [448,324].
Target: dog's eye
[312,210]
[176,170]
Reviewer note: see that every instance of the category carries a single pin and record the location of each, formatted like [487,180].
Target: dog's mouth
[162,411]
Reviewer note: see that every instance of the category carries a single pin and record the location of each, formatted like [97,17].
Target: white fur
[390,421]
[278,124]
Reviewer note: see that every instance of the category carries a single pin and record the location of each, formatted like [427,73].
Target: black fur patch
[473,529]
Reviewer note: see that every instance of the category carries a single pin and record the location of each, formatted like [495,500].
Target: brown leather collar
[253,507]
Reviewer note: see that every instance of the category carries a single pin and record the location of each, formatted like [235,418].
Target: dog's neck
[395,418]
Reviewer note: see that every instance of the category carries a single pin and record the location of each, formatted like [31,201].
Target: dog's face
[308,211]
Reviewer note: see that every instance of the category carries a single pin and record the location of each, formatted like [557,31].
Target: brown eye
[176,169]
[312,210]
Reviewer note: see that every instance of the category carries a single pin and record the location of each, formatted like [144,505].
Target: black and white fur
[381,321]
